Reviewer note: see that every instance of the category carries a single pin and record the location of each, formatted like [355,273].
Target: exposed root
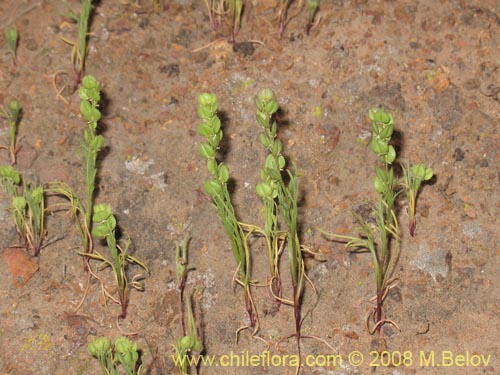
[379,324]
[280,299]
[57,90]
[207,45]
[122,331]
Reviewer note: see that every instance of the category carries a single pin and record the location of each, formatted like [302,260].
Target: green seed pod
[206,151]
[418,170]
[208,100]
[265,95]
[215,124]
[312,6]
[94,95]
[263,174]
[264,139]
[8,171]
[14,108]
[272,107]
[281,162]
[205,112]
[223,173]
[111,223]
[102,212]
[198,345]
[212,188]
[205,130]
[277,147]
[127,351]
[371,113]
[100,231]
[391,155]
[379,147]
[37,194]
[11,35]
[428,174]
[212,166]
[263,120]
[264,190]
[270,162]
[216,138]
[187,342]
[382,117]
[83,93]
[99,347]
[89,82]
[85,108]
[19,203]
[379,184]
[97,143]
[386,132]
[93,116]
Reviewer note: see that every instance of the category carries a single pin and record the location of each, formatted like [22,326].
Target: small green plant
[288,198]
[11,35]
[182,269]
[29,215]
[28,208]
[90,95]
[79,48]
[190,341]
[9,179]
[105,228]
[271,178]
[124,352]
[382,241]
[11,113]
[217,189]
[413,178]
[280,197]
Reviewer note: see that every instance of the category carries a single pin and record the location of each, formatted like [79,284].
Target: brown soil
[434,64]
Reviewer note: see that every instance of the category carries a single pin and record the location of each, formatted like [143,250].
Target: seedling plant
[124,352]
[90,95]
[79,48]
[28,208]
[29,215]
[413,178]
[104,227]
[10,180]
[11,113]
[268,189]
[382,241]
[190,341]
[217,189]
[282,197]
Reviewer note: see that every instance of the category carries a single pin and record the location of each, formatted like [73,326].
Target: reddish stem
[249,308]
[124,304]
[412,224]
[378,310]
